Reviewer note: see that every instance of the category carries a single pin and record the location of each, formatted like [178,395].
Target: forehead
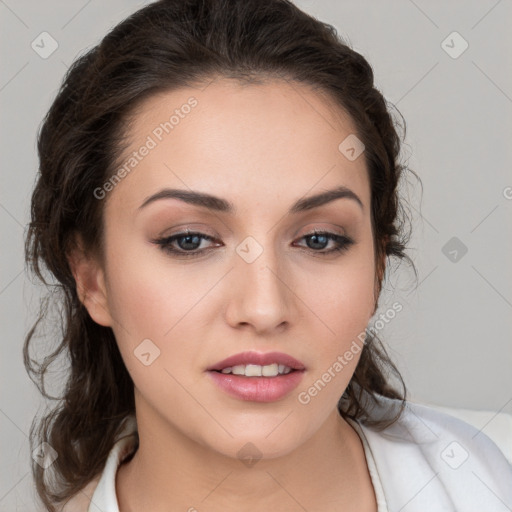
[275,139]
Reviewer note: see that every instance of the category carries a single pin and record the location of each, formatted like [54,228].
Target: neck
[170,468]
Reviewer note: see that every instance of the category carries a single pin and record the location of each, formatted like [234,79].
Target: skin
[262,147]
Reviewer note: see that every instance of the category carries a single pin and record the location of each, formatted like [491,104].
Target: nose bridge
[261,295]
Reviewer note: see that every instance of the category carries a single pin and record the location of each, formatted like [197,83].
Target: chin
[258,443]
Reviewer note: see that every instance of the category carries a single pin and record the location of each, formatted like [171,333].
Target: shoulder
[429,457]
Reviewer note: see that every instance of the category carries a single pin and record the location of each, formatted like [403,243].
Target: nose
[261,296]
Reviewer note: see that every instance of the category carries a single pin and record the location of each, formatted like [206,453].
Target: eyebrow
[222,205]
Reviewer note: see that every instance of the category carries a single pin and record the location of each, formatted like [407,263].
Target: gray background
[452,341]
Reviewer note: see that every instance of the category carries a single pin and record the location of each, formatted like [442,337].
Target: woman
[217,199]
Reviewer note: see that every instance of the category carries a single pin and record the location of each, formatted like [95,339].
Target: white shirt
[427,461]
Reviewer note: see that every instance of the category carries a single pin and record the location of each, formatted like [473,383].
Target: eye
[189,243]
[319,239]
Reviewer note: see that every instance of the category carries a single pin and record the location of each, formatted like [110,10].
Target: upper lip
[262,359]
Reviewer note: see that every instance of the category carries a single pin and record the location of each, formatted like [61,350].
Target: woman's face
[254,280]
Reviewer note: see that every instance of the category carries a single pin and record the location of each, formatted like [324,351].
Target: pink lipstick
[257,377]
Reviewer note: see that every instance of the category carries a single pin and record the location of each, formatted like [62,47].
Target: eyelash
[343,242]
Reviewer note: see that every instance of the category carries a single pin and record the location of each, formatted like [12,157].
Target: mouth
[258,364]
[256,377]
[256,370]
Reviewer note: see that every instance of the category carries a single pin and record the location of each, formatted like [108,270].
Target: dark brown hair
[164,46]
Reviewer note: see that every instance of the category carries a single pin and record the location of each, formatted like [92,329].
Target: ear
[379,274]
[90,283]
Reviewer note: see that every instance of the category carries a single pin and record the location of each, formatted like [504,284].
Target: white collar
[415,464]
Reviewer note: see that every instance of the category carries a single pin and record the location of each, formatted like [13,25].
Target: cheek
[344,298]
[147,296]
[345,308]
[342,304]
[149,300]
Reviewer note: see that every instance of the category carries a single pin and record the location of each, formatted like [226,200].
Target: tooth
[270,370]
[253,370]
[238,369]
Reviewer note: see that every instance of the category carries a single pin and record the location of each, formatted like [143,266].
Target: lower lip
[257,389]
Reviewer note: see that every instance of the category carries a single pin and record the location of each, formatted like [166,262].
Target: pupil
[317,237]
[187,239]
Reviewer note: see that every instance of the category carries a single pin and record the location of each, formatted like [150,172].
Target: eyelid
[188,227]
[203,230]
[341,241]
[324,229]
